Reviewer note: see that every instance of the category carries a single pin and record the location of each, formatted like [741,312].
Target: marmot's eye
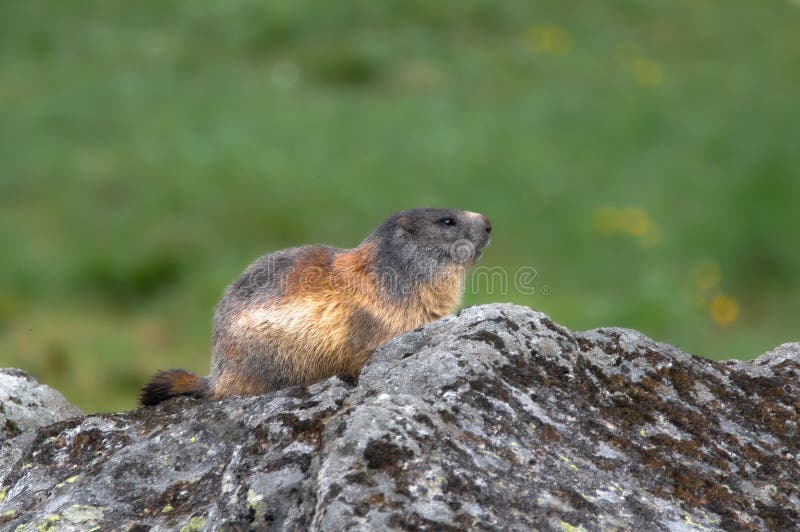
[447,221]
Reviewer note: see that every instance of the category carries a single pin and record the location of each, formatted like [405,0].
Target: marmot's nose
[486,224]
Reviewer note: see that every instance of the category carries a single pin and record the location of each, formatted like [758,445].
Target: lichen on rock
[496,418]
[26,404]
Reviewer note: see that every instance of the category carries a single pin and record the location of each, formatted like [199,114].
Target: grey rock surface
[494,419]
[26,404]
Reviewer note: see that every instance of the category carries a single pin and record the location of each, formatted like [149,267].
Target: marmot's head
[423,242]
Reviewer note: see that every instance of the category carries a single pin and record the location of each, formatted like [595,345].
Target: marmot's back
[303,314]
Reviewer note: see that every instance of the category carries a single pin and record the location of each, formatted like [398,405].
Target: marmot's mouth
[479,249]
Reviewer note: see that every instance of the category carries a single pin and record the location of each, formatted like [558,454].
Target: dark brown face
[447,235]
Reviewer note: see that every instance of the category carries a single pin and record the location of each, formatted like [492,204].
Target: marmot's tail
[167,384]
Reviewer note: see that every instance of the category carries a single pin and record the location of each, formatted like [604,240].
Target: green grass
[641,156]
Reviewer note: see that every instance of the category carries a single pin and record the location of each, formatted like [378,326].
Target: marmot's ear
[404,224]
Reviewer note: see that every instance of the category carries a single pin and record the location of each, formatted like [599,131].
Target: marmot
[303,314]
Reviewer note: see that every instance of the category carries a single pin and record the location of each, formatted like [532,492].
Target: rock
[26,404]
[495,419]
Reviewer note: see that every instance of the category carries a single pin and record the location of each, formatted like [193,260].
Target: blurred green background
[642,156]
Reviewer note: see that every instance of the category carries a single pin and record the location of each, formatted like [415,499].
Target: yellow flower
[646,72]
[637,222]
[723,310]
[634,221]
[550,39]
[706,275]
[651,238]
[608,220]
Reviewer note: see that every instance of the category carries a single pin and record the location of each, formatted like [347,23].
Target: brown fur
[314,324]
[166,384]
[330,311]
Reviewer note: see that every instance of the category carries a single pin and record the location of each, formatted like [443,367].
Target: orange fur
[313,328]
[167,384]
